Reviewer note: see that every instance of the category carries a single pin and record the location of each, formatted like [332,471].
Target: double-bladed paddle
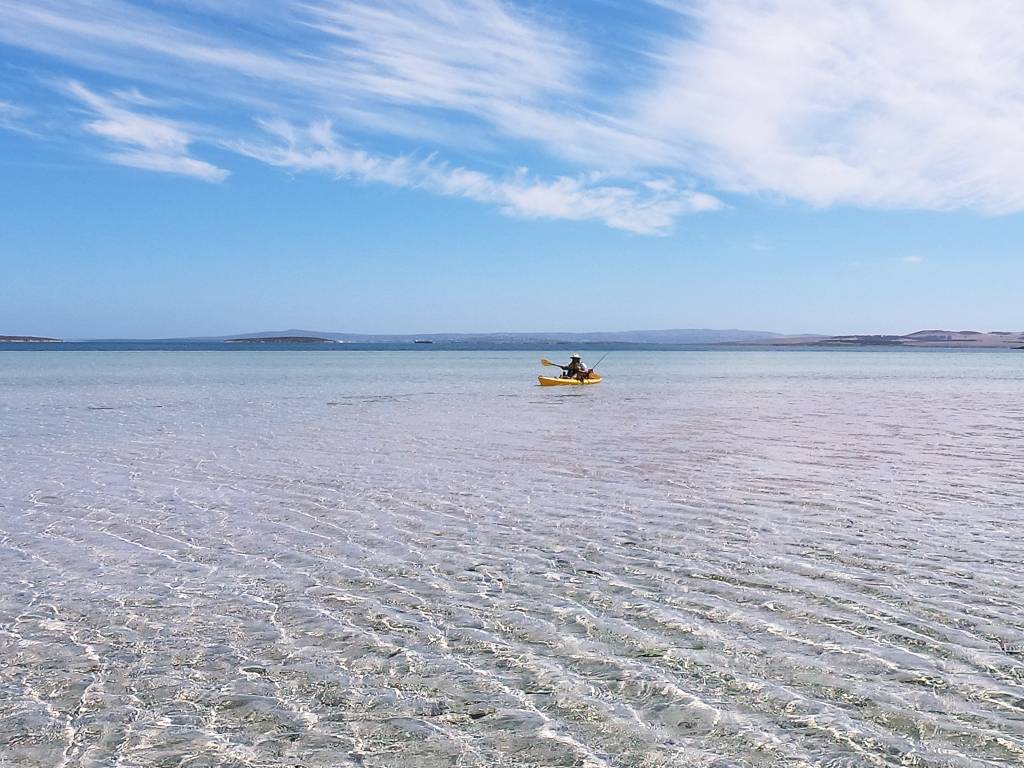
[545,361]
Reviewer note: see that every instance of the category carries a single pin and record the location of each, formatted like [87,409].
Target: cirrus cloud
[873,104]
[882,104]
[141,140]
[648,208]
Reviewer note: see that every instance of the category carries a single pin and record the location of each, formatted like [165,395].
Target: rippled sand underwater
[421,559]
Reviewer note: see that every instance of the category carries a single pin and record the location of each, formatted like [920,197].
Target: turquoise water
[714,558]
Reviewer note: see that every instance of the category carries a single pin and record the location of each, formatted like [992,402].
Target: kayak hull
[557,381]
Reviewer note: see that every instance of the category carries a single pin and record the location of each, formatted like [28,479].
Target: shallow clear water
[783,558]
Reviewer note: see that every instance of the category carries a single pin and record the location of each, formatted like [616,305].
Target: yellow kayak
[558,381]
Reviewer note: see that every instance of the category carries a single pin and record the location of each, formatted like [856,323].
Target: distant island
[674,336]
[671,337]
[281,340]
[29,340]
[651,339]
[929,338]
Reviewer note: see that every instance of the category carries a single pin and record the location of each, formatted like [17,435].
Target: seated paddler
[575,369]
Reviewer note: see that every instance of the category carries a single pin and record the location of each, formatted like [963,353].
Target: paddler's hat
[574,356]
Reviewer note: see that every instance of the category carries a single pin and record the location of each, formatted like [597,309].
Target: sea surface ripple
[421,559]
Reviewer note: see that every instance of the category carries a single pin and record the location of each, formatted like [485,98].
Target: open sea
[421,559]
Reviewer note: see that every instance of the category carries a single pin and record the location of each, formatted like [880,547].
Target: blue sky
[179,167]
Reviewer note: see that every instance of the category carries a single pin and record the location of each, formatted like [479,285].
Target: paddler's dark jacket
[574,368]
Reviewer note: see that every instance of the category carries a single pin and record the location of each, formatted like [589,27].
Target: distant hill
[643,339]
[671,336]
[280,340]
[28,340]
[928,338]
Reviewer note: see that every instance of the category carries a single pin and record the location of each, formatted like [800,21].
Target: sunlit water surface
[751,558]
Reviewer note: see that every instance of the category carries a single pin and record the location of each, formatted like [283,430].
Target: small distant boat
[422,341]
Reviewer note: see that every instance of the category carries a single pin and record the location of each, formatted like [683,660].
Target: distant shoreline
[29,340]
[281,340]
[639,340]
[932,338]
[548,350]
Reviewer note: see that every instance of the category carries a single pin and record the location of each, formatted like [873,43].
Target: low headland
[929,338]
[29,340]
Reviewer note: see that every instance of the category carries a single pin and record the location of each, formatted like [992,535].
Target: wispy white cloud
[455,54]
[647,208]
[356,58]
[913,259]
[455,72]
[14,118]
[872,104]
[135,97]
[143,141]
[516,74]
[11,111]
